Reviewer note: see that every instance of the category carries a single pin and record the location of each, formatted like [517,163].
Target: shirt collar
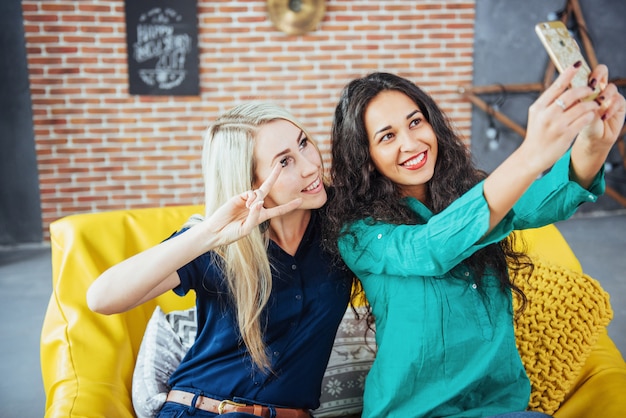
[419,208]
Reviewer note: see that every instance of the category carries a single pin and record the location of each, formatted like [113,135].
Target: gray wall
[20,213]
[507,51]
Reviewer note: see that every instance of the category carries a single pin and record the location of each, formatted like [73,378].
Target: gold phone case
[564,52]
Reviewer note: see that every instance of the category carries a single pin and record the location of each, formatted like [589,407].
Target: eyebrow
[409,116]
[287,150]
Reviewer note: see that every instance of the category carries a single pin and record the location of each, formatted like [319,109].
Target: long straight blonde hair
[228,167]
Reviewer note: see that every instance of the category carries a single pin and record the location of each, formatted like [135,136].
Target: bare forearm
[147,274]
[507,183]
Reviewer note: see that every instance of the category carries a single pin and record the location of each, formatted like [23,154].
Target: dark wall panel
[20,212]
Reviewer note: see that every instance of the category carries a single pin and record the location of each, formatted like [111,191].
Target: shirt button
[298,297]
[276,353]
[474,286]
[380,236]
[467,274]
[293,267]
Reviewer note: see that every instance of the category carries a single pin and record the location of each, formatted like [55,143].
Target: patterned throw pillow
[168,337]
[350,361]
[165,342]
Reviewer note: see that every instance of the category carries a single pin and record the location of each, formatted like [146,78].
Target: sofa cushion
[350,360]
[567,311]
[165,342]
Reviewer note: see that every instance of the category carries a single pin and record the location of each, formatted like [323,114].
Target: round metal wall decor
[296,17]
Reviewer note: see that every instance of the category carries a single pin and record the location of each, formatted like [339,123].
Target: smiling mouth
[415,161]
[313,185]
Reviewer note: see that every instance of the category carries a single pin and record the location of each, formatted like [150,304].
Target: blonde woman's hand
[154,271]
[242,213]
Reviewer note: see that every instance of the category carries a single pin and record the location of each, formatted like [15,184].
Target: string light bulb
[492,135]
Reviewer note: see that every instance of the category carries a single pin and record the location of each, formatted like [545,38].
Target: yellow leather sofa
[87,359]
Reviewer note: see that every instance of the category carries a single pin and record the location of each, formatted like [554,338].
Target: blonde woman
[269,299]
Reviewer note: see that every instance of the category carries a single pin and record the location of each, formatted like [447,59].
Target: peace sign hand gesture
[242,213]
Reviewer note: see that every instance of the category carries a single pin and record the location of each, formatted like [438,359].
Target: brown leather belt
[225,406]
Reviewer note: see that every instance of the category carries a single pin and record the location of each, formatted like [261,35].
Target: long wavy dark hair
[359,191]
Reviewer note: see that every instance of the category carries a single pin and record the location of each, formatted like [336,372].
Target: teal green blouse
[445,347]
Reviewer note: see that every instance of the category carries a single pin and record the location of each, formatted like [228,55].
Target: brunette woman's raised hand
[554,120]
[596,140]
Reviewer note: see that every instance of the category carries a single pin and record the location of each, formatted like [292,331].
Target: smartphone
[564,52]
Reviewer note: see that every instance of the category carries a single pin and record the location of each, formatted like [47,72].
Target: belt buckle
[225,402]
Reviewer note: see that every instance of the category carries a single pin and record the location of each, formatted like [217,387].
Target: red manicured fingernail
[592,83]
[578,64]
[603,117]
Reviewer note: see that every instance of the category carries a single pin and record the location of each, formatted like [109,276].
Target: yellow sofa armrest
[87,359]
[600,387]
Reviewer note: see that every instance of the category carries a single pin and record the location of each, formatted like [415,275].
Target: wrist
[203,236]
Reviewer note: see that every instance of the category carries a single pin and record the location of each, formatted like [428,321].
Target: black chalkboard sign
[162,45]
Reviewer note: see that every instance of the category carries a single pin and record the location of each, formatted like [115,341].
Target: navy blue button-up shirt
[308,300]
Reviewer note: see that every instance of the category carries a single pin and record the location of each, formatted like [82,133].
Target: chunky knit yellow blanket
[562,321]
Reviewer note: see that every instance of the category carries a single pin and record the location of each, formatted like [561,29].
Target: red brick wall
[99,148]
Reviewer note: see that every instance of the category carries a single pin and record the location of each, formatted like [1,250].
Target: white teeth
[415,161]
[314,185]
